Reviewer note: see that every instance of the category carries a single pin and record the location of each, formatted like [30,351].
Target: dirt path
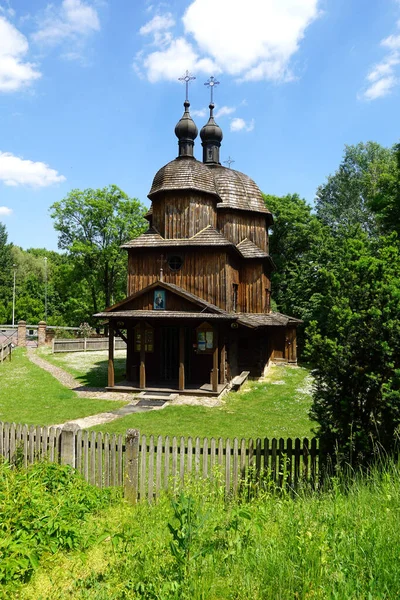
[73,384]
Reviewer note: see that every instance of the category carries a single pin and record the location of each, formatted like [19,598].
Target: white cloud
[382,78]
[224,110]
[14,72]
[238,124]
[72,20]
[158,23]
[380,88]
[5,211]
[17,171]
[171,63]
[202,112]
[250,40]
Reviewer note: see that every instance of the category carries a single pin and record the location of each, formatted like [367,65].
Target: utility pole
[13,306]
[45,289]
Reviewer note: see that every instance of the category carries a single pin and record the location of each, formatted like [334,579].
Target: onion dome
[211,137]
[186,132]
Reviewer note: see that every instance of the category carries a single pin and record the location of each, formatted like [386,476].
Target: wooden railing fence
[86,344]
[147,465]
[5,351]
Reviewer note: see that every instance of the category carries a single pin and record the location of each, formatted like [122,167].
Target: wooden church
[198,310]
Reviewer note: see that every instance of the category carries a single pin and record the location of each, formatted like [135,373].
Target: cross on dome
[186,79]
[211,83]
[229,162]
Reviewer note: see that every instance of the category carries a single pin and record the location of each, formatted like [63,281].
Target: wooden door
[169,356]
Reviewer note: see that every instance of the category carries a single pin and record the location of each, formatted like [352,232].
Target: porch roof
[165,314]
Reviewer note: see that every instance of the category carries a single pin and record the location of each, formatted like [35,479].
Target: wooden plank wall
[239,225]
[202,272]
[252,289]
[183,215]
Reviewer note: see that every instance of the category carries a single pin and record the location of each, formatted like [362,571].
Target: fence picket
[150,482]
[158,465]
[166,464]
[142,480]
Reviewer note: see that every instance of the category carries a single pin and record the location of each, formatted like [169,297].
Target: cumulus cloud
[238,124]
[250,40]
[15,72]
[382,78]
[72,20]
[17,171]
[202,112]
[158,23]
[5,211]
[224,111]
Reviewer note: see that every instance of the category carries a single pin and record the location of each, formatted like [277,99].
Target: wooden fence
[5,350]
[147,466]
[86,344]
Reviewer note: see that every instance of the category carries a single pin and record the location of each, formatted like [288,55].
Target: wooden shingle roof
[231,188]
[249,249]
[206,237]
[266,319]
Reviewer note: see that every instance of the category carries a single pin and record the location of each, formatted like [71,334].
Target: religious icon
[159,300]
[209,340]
[201,340]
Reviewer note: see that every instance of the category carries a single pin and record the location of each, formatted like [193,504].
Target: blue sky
[89,93]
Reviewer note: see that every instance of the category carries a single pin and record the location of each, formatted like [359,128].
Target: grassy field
[277,407]
[342,544]
[32,396]
[89,368]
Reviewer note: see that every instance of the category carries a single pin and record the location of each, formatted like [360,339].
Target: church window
[175,263]
[148,338]
[235,288]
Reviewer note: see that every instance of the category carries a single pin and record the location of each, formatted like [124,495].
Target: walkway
[135,404]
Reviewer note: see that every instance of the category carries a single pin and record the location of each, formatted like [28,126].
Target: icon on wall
[159,300]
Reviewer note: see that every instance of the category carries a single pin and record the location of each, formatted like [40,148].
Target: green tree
[346,198]
[386,202]
[6,275]
[92,225]
[356,351]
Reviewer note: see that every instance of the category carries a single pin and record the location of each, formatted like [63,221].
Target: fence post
[41,333]
[131,478]
[68,444]
[21,333]
[84,344]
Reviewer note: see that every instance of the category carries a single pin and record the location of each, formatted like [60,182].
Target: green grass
[89,368]
[30,395]
[274,408]
[342,544]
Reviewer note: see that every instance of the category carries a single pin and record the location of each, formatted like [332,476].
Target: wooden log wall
[253,287]
[238,225]
[182,215]
[203,272]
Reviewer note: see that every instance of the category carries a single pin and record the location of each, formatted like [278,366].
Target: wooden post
[131,486]
[68,444]
[215,363]
[111,381]
[142,383]
[181,358]
[223,363]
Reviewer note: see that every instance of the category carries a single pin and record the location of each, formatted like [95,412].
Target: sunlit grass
[30,395]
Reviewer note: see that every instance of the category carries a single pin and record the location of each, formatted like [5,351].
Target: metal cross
[162,261]
[186,78]
[211,83]
[229,162]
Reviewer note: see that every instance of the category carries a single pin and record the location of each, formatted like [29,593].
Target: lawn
[90,368]
[32,396]
[277,407]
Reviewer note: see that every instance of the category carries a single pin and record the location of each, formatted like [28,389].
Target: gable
[173,298]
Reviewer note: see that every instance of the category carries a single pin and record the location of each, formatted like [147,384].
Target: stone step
[165,397]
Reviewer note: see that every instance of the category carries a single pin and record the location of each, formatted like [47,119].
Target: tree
[92,225]
[346,198]
[6,274]
[357,352]
[386,202]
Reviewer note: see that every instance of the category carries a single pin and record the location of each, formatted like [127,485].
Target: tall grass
[343,543]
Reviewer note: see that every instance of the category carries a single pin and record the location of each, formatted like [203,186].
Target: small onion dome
[186,128]
[211,132]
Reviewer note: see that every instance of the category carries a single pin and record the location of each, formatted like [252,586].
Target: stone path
[106,417]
